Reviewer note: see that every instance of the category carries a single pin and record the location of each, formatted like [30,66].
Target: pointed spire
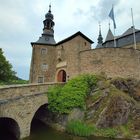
[50,8]
[100,38]
[109,36]
[48,22]
[48,30]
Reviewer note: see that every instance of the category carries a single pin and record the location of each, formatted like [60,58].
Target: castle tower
[100,38]
[43,53]
[48,31]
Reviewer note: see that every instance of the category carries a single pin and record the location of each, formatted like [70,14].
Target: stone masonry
[20,104]
[59,62]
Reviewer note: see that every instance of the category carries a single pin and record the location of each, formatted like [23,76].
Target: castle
[59,62]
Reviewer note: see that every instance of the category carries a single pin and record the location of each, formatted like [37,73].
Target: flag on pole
[111,15]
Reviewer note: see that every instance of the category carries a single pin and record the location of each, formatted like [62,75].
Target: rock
[116,112]
[55,119]
[76,114]
[130,86]
[103,84]
[136,118]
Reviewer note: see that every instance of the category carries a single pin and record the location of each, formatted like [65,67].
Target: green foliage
[72,95]
[53,95]
[12,82]
[107,132]
[79,128]
[6,72]
[127,130]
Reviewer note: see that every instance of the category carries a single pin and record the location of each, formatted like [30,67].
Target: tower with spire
[100,38]
[48,30]
[43,52]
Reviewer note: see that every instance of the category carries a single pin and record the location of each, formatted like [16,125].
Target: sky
[21,22]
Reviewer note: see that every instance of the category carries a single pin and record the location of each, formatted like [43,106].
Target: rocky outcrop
[129,86]
[59,121]
[115,113]
[111,103]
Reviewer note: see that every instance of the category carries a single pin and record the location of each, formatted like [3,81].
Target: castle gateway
[58,62]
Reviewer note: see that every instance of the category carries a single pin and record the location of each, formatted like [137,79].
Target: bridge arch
[9,128]
[40,115]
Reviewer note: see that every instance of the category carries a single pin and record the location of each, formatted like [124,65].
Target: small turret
[48,22]
[100,38]
[48,30]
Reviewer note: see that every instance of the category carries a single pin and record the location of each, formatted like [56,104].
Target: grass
[106,132]
[79,128]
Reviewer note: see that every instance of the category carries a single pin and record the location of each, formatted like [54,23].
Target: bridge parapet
[14,91]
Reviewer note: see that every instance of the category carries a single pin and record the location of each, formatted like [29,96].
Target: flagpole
[111,15]
[133,29]
[114,39]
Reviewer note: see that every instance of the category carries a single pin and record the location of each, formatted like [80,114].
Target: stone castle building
[72,56]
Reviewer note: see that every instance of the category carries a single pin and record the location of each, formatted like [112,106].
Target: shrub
[79,128]
[72,95]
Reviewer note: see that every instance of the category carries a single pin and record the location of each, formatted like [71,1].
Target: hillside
[110,107]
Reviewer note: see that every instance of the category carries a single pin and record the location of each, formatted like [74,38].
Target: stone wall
[20,103]
[71,55]
[22,110]
[132,46]
[15,91]
[39,58]
[114,62]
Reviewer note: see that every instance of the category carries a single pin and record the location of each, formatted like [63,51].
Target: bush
[79,128]
[13,82]
[72,95]
[6,72]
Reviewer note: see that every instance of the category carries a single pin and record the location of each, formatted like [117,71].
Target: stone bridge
[18,105]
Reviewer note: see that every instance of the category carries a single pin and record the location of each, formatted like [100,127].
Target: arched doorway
[9,129]
[61,77]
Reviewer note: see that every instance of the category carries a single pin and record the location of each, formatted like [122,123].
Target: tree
[6,72]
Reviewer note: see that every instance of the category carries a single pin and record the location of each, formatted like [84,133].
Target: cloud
[22,23]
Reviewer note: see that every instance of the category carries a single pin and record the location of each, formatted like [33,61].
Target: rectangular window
[44,67]
[43,51]
[40,79]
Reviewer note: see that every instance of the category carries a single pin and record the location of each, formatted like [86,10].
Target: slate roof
[43,40]
[73,36]
[109,36]
[99,46]
[129,31]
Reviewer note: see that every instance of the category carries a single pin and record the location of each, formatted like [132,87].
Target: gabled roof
[109,36]
[73,36]
[129,31]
